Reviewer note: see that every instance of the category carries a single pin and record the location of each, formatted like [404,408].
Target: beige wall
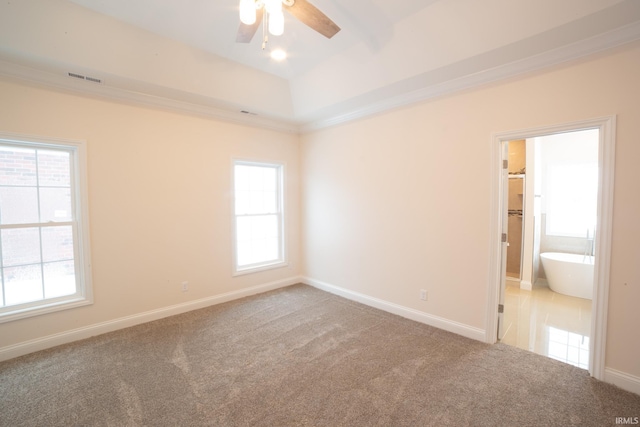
[398,202]
[391,204]
[159,202]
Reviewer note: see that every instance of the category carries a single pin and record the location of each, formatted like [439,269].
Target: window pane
[17,166]
[57,243]
[242,178]
[271,250]
[257,239]
[243,248]
[269,179]
[243,228]
[22,284]
[54,168]
[258,250]
[265,226]
[256,177]
[59,279]
[271,226]
[18,205]
[38,258]
[20,246]
[243,202]
[55,204]
[256,204]
[257,208]
[270,202]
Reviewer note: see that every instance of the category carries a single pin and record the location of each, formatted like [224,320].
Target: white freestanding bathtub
[569,274]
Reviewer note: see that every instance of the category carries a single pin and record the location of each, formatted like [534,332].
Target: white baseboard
[624,381]
[26,347]
[409,313]
[526,285]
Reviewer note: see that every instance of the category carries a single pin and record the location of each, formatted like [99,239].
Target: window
[258,201]
[572,200]
[43,243]
[569,182]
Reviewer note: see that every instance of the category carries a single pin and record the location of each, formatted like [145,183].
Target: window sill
[259,268]
[52,307]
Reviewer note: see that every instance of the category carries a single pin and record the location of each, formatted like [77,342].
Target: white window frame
[282,259]
[79,223]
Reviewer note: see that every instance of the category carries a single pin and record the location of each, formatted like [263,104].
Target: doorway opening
[553,197]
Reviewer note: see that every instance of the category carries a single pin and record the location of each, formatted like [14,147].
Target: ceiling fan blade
[310,15]
[246,32]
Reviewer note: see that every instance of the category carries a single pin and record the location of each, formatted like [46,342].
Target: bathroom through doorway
[554,188]
[552,205]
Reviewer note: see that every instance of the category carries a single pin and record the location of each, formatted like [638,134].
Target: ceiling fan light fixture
[269,13]
[276,23]
[248,12]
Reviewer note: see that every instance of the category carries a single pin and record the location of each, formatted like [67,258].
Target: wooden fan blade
[246,32]
[311,16]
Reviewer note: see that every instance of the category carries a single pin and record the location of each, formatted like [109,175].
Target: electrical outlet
[185,286]
[424,296]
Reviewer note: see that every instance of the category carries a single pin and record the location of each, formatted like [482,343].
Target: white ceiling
[211,25]
[388,53]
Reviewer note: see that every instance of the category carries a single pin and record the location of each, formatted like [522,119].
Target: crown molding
[570,52]
[117,89]
[137,93]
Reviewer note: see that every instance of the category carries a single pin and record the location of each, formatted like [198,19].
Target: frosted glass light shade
[247,12]
[276,23]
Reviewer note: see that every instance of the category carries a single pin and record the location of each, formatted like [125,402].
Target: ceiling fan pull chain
[265,34]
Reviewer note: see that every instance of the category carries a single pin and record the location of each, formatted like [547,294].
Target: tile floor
[548,323]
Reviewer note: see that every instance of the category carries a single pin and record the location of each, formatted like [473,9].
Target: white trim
[560,55]
[606,164]
[526,285]
[26,347]
[409,313]
[82,247]
[624,381]
[282,200]
[176,101]
[120,90]
[604,227]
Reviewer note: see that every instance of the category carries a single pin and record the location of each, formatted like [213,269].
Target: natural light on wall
[258,216]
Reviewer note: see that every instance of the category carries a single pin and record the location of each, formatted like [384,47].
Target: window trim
[82,256]
[269,265]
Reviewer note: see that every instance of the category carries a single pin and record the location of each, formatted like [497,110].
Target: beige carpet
[299,357]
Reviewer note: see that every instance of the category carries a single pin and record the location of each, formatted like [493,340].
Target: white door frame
[606,167]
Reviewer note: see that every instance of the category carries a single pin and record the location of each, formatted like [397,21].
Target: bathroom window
[44,260]
[572,195]
[258,216]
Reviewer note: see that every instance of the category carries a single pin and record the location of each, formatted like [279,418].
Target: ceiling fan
[252,13]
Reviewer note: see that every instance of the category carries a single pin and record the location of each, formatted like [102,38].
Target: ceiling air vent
[87,78]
